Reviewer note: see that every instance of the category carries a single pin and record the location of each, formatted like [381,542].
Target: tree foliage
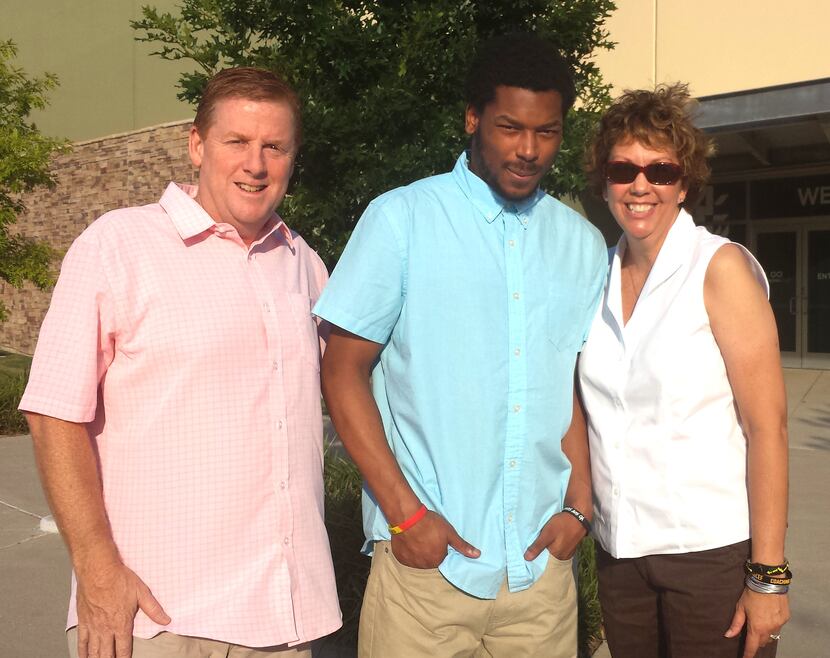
[382,84]
[24,166]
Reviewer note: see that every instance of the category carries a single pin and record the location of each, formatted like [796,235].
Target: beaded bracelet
[579,517]
[411,521]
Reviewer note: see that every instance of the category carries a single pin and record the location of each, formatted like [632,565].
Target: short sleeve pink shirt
[195,361]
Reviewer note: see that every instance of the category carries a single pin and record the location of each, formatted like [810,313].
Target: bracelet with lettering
[579,517]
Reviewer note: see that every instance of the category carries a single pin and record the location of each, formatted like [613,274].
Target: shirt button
[279,424]
[524,221]
[510,518]
[266,307]
[286,541]
[517,408]
[515,295]
[512,463]
[512,243]
[618,403]
[276,365]
[616,492]
[282,484]
[517,351]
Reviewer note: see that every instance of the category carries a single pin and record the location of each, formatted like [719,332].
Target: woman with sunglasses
[682,384]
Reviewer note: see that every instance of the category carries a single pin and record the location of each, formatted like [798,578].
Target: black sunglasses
[657,173]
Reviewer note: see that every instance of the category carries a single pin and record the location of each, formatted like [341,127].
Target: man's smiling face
[245,159]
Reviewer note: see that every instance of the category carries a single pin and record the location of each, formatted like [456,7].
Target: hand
[424,545]
[560,535]
[108,600]
[764,615]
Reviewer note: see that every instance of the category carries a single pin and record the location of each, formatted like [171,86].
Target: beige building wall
[109,83]
[717,46]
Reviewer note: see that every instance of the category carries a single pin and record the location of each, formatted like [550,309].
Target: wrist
[101,558]
[579,516]
[407,523]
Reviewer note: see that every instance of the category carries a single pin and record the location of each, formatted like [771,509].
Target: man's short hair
[250,83]
[518,60]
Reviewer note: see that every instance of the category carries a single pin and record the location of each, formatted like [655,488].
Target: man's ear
[195,147]
[471,120]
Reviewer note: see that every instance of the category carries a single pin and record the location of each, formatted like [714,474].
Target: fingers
[463,547]
[83,641]
[752,645]
[150,606]
[738,621]
[536,547]
[124,646]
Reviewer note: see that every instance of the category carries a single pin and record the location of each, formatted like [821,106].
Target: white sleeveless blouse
[668,455]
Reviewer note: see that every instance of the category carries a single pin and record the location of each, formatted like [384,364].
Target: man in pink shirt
[174,404]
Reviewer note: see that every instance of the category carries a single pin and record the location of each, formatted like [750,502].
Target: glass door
[817,293]
[777,251]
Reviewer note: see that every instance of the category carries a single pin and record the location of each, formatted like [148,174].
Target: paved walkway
[34,568]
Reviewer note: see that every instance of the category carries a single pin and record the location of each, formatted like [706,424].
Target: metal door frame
[801,227]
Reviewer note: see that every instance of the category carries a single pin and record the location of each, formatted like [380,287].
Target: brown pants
[674,606]
[170,645]
[417,613]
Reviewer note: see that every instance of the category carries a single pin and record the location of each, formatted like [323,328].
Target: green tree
[24,166]
[382,84]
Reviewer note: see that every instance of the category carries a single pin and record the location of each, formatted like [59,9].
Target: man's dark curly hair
[518,60]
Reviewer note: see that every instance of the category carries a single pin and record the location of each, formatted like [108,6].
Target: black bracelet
[579,517]
[784,579]
[766,569]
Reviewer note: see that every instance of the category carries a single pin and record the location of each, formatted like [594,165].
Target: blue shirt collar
[484,198]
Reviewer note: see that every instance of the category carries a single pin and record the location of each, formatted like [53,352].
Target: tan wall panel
[717,46]
[631,64]
[722,46]
[109,82]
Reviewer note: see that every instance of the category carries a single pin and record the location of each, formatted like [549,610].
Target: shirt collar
[673,253]
[484,198]
[190,219]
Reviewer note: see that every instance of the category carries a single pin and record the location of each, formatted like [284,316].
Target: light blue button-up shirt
[481,306]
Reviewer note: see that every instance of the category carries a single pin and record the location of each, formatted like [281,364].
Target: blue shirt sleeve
[366,291]
[597,286]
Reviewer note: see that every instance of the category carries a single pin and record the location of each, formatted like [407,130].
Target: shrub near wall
[119,171]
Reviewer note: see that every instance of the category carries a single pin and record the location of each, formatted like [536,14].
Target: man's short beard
[479,167]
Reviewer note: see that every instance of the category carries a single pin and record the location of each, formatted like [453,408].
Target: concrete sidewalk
[34,568]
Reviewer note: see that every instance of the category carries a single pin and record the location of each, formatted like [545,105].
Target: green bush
[345,528]
[590,615]
[11,390]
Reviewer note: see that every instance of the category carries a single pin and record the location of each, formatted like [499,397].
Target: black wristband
[579,517]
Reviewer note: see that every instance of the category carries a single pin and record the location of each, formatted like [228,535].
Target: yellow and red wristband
[408,523]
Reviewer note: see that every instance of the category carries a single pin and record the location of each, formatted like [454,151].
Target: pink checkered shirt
[195,361]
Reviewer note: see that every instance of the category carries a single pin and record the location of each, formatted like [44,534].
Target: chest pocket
[566,317]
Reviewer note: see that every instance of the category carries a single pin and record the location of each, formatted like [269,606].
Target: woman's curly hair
[657,119]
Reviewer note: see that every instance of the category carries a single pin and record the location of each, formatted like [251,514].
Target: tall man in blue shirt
[465,299]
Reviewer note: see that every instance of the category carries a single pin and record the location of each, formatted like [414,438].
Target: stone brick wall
[131,169]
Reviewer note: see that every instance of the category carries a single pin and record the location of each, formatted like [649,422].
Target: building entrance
[796,259]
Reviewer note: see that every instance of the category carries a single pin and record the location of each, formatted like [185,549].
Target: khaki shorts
[417,613]
[170,645]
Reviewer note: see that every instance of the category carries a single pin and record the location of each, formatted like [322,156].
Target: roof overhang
[766,130]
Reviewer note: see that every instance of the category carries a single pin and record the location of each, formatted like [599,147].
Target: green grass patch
[345,528]
[14,373]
